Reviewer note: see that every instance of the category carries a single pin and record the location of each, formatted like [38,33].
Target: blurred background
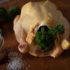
[32,63]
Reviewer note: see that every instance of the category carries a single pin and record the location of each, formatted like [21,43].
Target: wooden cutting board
[34,63]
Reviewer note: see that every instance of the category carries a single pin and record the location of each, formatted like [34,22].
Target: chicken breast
[36,14]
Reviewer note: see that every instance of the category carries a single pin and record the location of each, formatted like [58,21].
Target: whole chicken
[33,16]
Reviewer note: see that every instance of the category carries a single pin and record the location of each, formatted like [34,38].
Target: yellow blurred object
[65,44]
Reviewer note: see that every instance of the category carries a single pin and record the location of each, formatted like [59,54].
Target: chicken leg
[20,35]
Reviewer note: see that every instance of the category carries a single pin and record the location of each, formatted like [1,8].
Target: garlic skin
[36,14]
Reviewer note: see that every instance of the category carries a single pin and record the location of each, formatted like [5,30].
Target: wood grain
[46,63]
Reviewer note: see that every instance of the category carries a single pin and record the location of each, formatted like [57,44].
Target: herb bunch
[9,15]
[45,36]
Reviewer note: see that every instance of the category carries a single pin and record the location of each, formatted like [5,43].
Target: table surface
[36,63]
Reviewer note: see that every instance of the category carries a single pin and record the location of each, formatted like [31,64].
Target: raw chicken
[33,15]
